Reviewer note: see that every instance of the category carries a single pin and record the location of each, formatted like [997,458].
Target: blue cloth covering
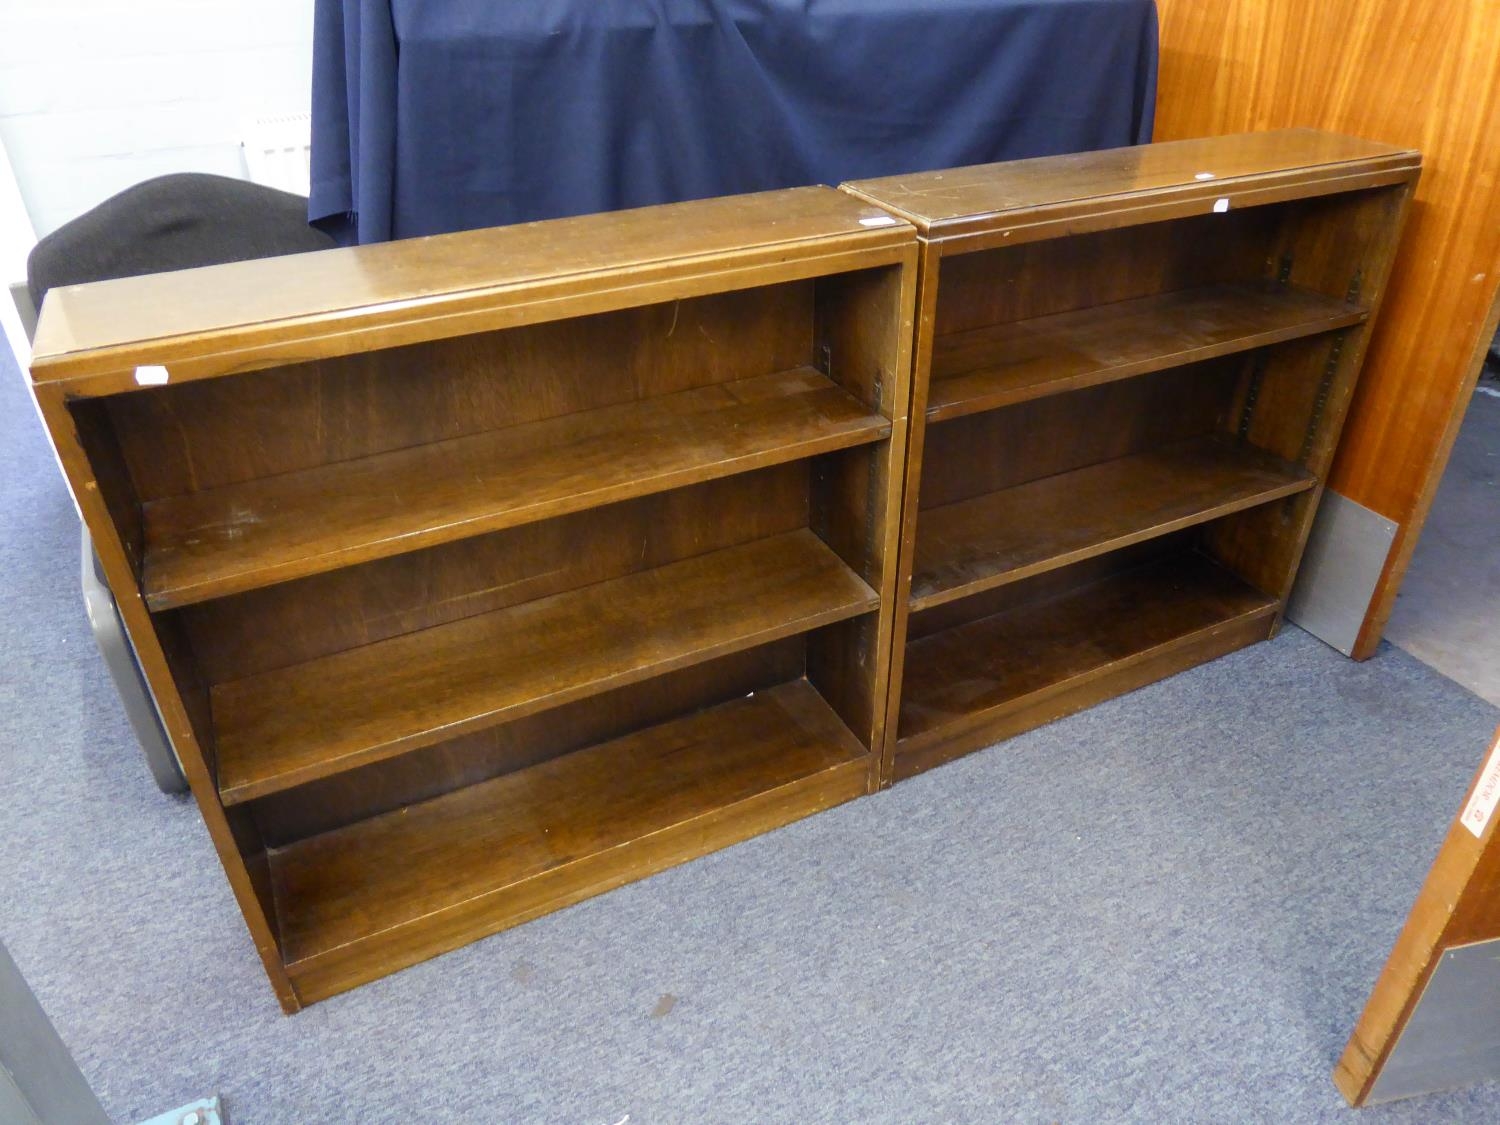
[441,115]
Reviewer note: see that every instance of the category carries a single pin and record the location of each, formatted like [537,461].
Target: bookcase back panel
[1262,546]
[980,453]
[1341,245]
[293,622]
[1043,587]
[198,435]
[1296,402]
[862,334]
[1058,275]
[358,794]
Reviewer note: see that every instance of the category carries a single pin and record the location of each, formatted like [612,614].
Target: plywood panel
[1402,72]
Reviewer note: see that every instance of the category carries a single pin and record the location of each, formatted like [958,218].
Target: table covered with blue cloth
[441,115]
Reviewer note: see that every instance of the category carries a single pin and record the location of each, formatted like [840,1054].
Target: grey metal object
[1453,1036]
[1345,555]
[114,643]
[40,1084]
[21,296]
[125,671]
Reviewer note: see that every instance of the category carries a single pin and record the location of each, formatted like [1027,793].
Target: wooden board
[976,673]
[238,537]
[196,321]
[293,725]
[1010,363]
[1458,905]
[1012,534]
[367,899]
[1407,73]
[1006,204]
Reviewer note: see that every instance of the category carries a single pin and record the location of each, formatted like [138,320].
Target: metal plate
[1453,1036]
[1340,569]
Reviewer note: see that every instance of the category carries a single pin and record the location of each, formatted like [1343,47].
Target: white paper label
[151,375]
[878,221]
[1476,817]
[1204,176]
[1220,206]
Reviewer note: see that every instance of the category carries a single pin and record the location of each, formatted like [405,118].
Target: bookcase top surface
[990,196]
[336,290]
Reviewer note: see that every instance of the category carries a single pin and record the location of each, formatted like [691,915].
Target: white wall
[96,95]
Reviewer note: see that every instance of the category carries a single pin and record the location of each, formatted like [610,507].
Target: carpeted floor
[1169,908]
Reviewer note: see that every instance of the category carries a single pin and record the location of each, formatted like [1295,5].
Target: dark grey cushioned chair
[169,223]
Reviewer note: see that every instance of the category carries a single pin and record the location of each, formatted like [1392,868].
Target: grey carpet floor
[1169,908]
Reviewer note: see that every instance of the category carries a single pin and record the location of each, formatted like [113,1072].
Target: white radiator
[278,151]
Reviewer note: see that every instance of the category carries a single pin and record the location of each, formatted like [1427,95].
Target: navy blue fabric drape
[441,115]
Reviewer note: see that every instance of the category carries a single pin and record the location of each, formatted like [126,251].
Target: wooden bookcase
[478,574]
[1131,369]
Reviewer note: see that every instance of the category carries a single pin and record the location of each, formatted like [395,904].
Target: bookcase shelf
[1013,662]
[252,533]
[479,574]
[1132,370]
[998,365]
[1004,536]
[293,725]
[539,838]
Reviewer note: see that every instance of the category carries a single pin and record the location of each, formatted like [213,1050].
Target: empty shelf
[1004,536]
[241,536]
[981,671]
[1009,363]
[359,901]
[293,725]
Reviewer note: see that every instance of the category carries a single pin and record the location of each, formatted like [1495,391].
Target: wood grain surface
[240,536]
[297,724]
[959,202]
[1005,536]
[220,308]
[977,672]
[398,888]
[1008,363]
[1406,73]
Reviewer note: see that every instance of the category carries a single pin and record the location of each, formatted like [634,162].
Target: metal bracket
[1321,402]
[825,360]
[1284,270]
[1355,284]
[1252,393]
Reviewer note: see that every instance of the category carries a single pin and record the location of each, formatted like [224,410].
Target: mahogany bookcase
[1131,369]
[474,575]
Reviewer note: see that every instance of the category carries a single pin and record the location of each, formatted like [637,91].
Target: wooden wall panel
[1404,72]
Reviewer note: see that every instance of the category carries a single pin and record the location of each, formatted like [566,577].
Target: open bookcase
[478,574]
[1131,369]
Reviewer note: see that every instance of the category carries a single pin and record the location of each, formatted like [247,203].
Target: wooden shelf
[1010,363]
[979,672]
[293,725]
[238,537]
[362,900]
[1005,536]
